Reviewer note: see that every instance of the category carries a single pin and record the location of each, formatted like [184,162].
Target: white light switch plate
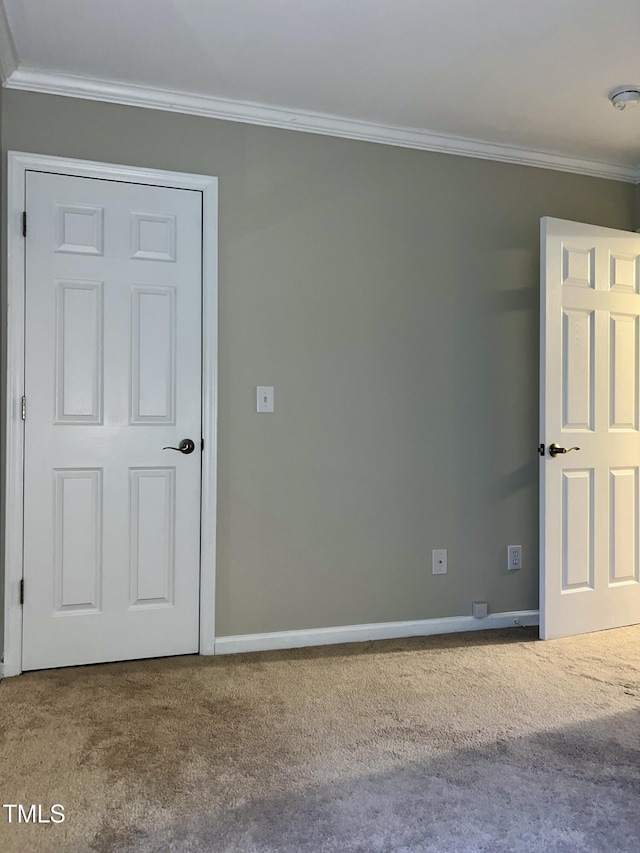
[264,397]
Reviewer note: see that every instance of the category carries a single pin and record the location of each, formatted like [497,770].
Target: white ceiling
[522,76]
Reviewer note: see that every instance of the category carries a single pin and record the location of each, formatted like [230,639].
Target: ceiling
[504,79]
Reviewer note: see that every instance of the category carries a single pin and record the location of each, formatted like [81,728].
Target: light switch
[264,395]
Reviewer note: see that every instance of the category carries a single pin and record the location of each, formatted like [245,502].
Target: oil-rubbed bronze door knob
[185,446]
[555,449]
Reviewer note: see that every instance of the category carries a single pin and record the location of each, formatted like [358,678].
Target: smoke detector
[625,96]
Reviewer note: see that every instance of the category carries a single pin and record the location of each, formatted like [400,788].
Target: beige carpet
[479,742]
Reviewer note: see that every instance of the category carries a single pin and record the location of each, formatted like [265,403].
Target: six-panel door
[590,398]
[112,376]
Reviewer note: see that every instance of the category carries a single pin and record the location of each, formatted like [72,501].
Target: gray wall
[391,296]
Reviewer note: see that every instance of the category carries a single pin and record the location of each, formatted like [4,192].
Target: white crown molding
[8,52]
[375,631]
[33,80]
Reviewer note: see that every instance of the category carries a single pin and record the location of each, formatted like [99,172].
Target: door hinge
[24,223]
[24,408]
[22,592]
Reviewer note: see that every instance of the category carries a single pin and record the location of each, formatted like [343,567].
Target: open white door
[589,501]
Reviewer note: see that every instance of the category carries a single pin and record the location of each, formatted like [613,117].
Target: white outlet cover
[440,561]
[514,558]
[479,609]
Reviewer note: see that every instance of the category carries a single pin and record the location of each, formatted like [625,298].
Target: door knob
[555,449]
[185,446]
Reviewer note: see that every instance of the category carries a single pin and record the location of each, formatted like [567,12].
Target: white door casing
[590,398]
[104,480]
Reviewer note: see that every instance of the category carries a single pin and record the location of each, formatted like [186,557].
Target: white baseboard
[376,631]
[359,633]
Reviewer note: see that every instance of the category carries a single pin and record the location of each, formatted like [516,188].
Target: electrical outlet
[514,557]
[440,561]
[479,609]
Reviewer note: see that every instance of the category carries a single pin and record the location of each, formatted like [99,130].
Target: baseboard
[375,631]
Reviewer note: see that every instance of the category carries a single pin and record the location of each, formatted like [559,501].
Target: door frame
[18,164]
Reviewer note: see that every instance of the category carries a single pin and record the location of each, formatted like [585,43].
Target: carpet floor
[489,742]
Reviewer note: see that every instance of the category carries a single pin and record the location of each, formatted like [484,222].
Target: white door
[112,376]
[590,505]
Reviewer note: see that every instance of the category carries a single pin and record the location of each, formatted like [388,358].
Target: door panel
[77,533]
[590,523]
[78,335]
[153,521]
[153,370]
[112,376]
